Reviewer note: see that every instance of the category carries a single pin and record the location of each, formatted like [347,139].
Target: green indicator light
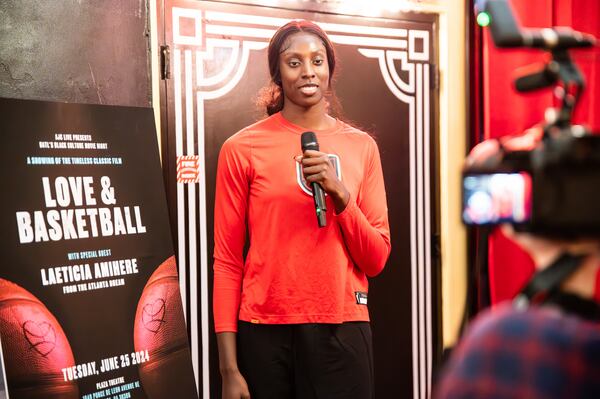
[483,19]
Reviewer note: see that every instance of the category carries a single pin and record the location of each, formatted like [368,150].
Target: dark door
[386,85]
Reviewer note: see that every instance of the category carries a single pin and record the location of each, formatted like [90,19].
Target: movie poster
[89,294]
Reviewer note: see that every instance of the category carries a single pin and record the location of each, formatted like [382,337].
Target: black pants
[306,361]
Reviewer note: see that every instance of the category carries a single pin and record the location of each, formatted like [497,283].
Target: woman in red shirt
[291,315]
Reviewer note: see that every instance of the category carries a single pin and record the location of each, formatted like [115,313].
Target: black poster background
[99,323]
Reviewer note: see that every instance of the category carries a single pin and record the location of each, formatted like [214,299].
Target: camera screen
[496,198]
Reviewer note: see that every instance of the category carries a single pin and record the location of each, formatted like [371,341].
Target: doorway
[386,84]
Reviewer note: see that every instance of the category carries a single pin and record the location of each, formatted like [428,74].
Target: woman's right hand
[234,386]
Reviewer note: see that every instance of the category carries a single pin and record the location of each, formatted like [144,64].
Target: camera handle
[560,71]
[569,83]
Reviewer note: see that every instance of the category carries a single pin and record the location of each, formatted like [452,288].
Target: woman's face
[304,70]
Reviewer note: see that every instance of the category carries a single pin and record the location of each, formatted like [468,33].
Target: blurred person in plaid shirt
[543,344]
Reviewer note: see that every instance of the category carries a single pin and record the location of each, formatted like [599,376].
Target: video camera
[552,189]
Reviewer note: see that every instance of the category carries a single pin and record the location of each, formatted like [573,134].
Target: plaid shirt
[537,353]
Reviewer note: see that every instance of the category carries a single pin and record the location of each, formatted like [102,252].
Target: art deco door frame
[410,49]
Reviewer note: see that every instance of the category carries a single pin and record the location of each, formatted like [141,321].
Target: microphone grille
[309,141]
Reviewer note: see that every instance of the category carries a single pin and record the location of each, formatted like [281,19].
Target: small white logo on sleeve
[361,298]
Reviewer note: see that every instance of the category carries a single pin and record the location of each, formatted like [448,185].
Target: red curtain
[507,112]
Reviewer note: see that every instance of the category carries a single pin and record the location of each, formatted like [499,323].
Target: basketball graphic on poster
[160,330]
[35,348]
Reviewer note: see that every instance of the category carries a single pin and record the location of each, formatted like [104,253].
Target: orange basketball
[35,347]
[160,329]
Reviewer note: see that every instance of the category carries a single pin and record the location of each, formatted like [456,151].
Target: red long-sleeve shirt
[295,272]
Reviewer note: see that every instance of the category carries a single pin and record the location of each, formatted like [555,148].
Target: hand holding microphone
[320,174]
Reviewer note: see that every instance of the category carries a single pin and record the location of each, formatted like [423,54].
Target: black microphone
[544,77]
[507,33]
[308,140]
[556,38]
